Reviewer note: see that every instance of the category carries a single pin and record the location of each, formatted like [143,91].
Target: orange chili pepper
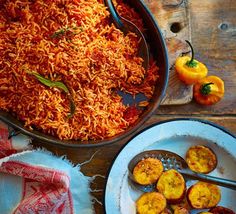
[190,70]
[209,90]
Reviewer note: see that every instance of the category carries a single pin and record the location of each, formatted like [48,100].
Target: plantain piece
[147,171]
[182,204]
[203,195]
[166,211]
[201,159]
[181,210]
[221,210]
[151,203]
[172,185]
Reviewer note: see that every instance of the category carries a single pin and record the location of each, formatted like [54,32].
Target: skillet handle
[114,15]
[13,133]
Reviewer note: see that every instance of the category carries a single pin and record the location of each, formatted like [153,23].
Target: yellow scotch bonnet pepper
[209,90]
[190,70]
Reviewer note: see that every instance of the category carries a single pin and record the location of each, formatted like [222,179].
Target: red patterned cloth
[34,181]
[6,147]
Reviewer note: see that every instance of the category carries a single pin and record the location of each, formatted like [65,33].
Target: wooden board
[173,18]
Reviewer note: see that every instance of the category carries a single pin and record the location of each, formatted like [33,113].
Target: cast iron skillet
[158,51]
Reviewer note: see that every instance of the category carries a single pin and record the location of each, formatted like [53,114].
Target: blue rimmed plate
[176,136]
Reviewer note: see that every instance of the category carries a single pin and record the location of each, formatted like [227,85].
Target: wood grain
[216,47]
[174,20]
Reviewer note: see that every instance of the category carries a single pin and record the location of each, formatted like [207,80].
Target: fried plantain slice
[201,159]
[221,210]
[215,195]
[151,203]
[203,195]
[147,171]
[181,210]
[172,185]
[166,211]
[183,203]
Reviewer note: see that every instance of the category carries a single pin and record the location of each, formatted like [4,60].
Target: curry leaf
[56,84]
[58,33]
[66,31]
[72,108]
[50,83]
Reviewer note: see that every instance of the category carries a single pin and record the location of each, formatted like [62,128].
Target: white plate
[176,136]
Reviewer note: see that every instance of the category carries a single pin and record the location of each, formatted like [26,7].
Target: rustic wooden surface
[213,26]
[173,18]
[214,38]
[104,156]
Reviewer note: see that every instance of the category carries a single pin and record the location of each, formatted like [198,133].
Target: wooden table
[214,38]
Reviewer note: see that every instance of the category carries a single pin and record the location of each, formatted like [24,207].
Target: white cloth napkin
[35,181]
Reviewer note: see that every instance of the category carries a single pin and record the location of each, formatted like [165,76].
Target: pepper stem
[191,63]
[192,51]
[206,88]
